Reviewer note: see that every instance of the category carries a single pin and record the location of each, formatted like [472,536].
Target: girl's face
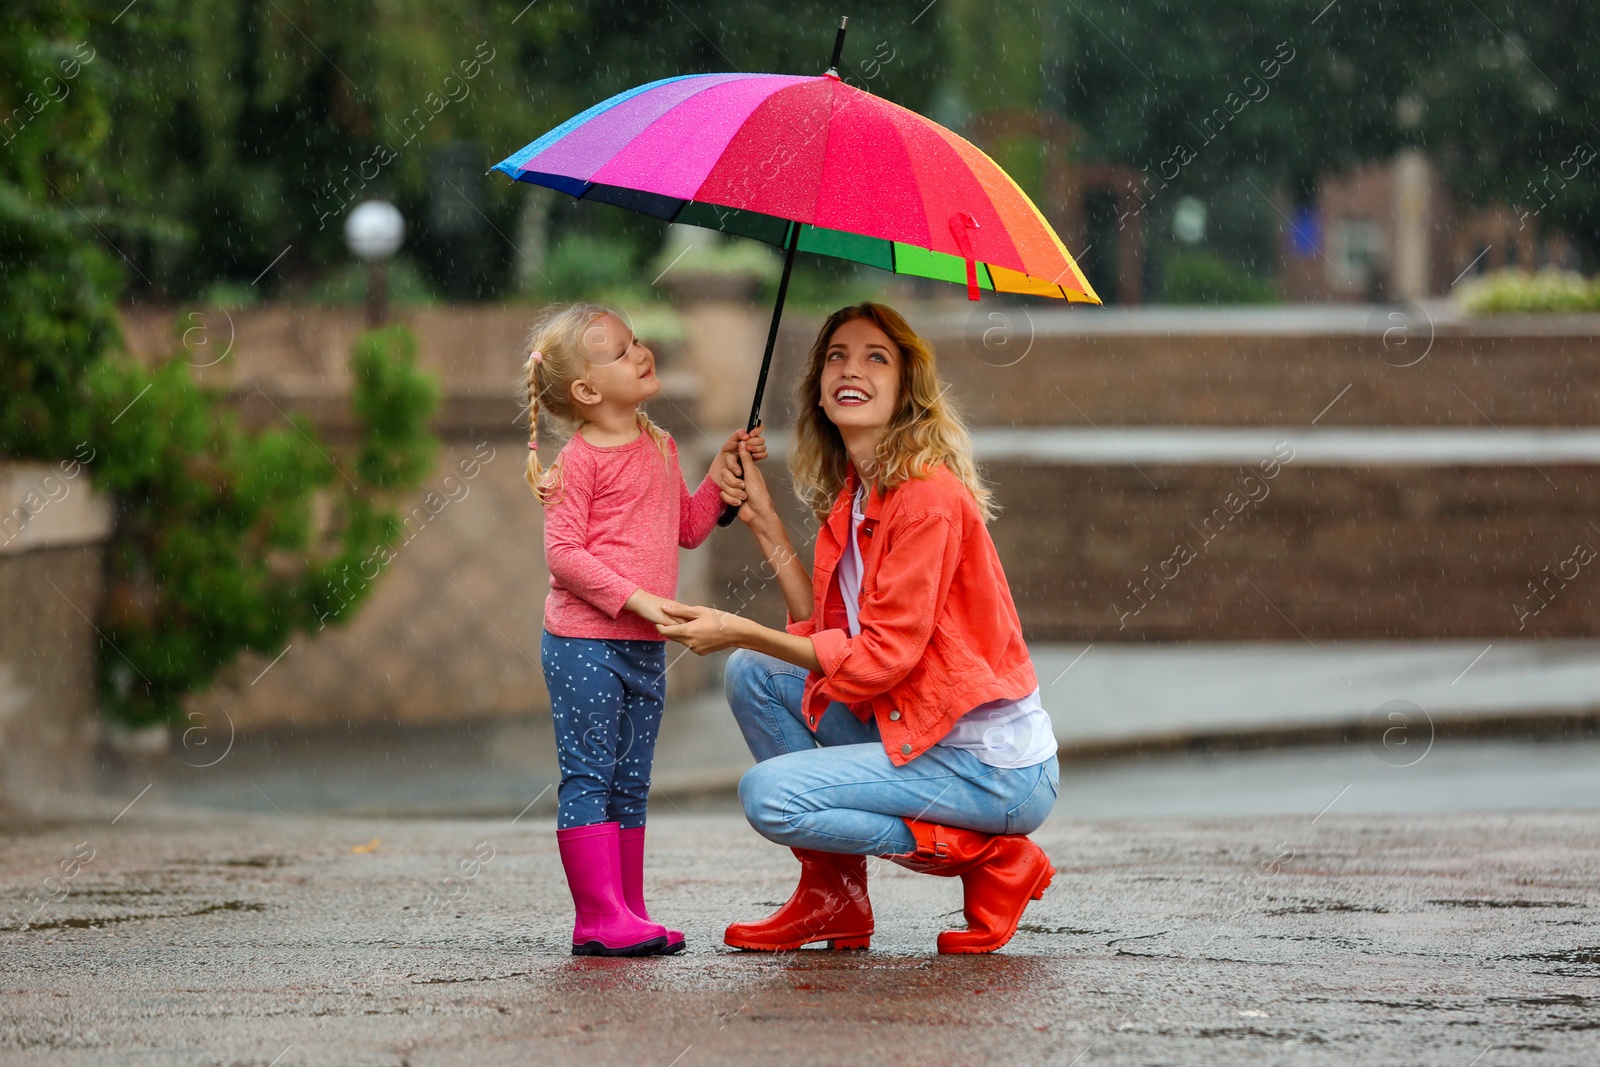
[621,369]
[860,376]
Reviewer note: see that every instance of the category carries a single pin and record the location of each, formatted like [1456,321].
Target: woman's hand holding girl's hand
[650,607]
[701,630]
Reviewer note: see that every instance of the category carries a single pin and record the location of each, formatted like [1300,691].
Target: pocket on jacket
[956,659]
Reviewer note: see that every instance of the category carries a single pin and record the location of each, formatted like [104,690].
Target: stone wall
[1397,550]
[1096,553]
[52,531]
[1020,365]
[1403,548]
[451,629]
[1382,552]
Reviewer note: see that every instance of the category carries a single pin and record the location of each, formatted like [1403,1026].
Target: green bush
[1204,278]
[217,547]
[224,540]
[707,252]
[582,266]
[408,286]
[1517,291]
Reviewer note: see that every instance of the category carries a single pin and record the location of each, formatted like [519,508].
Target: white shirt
[1001,733]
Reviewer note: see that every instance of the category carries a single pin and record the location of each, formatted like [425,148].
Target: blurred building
[1388,230]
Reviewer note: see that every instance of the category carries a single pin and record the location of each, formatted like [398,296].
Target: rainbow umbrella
[810,164]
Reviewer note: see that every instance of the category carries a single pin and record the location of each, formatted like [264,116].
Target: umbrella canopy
[865,179]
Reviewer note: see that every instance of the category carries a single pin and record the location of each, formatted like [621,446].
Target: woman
[897,714]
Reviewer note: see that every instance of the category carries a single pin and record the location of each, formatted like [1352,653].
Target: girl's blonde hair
[554,360]
[924,431]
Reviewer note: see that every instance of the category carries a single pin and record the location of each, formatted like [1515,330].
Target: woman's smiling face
[860,376]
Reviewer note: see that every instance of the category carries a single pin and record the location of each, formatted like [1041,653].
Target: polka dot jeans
[606,699]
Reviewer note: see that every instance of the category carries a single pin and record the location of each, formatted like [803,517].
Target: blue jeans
[836,791]
[606,699]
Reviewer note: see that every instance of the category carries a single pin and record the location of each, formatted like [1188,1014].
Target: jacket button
[894,716]
[905,750]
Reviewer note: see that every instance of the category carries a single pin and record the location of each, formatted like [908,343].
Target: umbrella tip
[838,46]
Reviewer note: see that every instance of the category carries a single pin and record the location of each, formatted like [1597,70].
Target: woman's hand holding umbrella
[706,630]
[747,492]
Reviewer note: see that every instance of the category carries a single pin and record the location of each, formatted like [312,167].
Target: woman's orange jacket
[939,631]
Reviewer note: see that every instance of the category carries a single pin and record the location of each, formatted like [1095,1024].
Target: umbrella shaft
[728,511]
[772,331]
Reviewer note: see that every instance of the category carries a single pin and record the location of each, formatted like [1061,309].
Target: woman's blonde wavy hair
[547,384]
[924,431]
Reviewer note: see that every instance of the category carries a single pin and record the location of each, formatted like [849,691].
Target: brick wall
[1047,368]
[1371,552]
[451,629]
[1390,551]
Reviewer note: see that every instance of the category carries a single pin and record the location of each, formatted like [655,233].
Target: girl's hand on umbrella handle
[757,442]
[725,472]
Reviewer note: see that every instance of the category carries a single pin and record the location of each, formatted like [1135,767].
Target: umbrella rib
[827,142]
[939,141]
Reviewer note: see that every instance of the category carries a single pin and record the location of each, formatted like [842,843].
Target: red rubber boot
[999,875]
[630,848]
[605,926]
[830,904]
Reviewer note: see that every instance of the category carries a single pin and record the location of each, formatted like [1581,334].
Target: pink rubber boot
[630,846]
[605,926]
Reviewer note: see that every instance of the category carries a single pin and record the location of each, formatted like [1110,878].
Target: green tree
[1496,93]
[225,540]
[56,281]
[244,128]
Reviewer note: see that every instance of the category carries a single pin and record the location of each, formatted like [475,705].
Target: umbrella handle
[729,512]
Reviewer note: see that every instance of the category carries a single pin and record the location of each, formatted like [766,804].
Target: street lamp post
[374,232]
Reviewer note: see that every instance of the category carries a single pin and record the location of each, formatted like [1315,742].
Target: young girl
[616,512]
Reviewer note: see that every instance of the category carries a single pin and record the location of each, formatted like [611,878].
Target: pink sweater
[616,526]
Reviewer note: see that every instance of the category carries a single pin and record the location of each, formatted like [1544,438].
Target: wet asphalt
[178,936]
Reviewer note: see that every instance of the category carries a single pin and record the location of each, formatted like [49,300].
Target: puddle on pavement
[1057,931]
[241,861]
[81,923]
[1325,906]
[1579,962]
[1486,902]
